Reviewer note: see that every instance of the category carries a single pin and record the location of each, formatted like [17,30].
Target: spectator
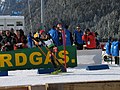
[58,28]
[0,35]
[108,46]
[68,36]
[20,40]
[7,42]
[12,31]
[66,39]
[89,38]
[54,34]
[115,50]
[30,41]
[97,40]
[78,38]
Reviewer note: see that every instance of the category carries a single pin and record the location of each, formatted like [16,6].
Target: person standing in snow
[54,34]
[78,38]
[115,50]
[89,39]
[68,36]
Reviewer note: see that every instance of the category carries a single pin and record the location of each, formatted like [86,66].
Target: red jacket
[22,40]
[89,40]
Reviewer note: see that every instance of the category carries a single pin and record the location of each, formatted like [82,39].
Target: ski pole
[40,48]
[46,55]
[55,57]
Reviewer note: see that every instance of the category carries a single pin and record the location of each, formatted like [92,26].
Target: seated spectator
[20,40]
[12,31]
[7,42]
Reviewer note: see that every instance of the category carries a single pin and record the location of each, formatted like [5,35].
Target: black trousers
[79,46]
[116,60]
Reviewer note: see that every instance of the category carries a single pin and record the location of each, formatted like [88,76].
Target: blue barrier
[3,73]
[97,67]
[47,70]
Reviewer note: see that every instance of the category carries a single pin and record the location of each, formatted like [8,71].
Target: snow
[77,74]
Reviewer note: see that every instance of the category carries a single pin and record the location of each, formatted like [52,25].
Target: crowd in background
[60,34]
[12,40]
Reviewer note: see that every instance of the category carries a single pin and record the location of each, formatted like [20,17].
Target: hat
[36,35]
[41,31]
[87,30]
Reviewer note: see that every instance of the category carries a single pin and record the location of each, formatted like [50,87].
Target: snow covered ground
[77,74]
